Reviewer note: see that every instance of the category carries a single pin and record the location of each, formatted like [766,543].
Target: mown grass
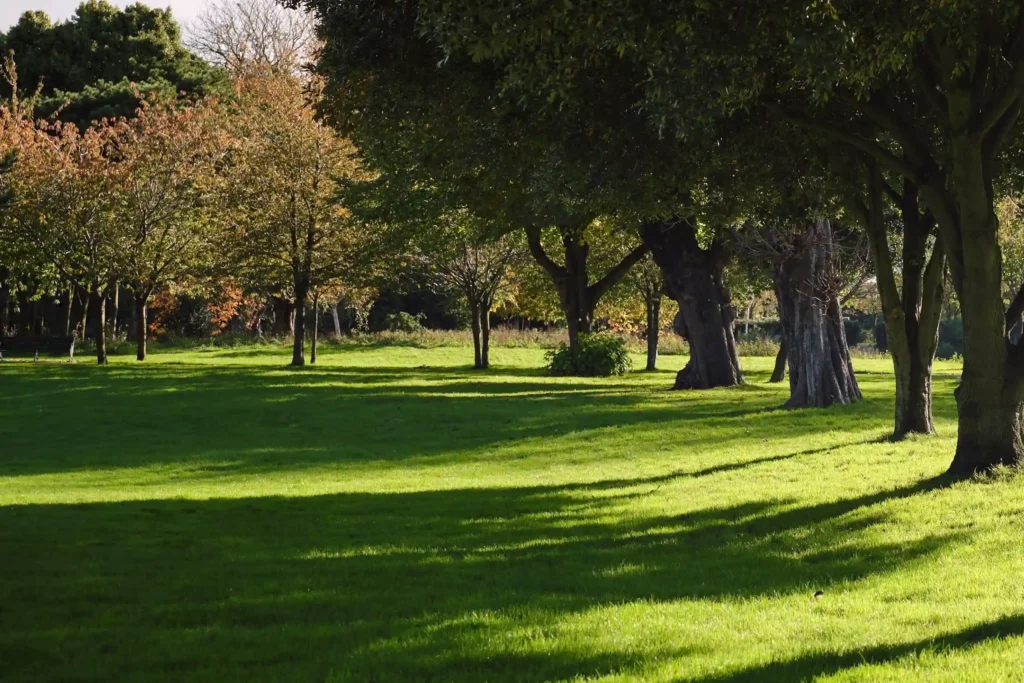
[390,515]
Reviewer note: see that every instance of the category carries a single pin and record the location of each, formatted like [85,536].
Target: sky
[10,10]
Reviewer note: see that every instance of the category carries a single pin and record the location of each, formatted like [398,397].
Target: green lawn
[390,515]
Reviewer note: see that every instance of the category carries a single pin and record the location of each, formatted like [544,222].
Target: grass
[390,515]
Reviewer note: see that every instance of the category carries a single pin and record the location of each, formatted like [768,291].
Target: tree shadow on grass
[812,666]
[469,584]
[260,420]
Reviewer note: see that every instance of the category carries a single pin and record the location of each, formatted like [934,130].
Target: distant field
[390,515]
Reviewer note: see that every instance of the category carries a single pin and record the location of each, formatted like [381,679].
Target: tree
[912,313]
[104,59]
[164,175]
[64,212]
[647,280]
[933,92]
[478,268]
[286,224]
[578,295]
[247,35]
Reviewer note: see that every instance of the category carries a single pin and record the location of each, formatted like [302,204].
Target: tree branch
[540,256]
[613,276]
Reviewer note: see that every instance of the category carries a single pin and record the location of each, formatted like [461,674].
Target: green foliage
[597,355]
[98,62]
[400,321]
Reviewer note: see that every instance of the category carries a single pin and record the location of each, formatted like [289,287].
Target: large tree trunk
[299,334]
[990,407]
[693,278]
[653,303]
[820,371]
[99,297]
[779,372]
[140,301]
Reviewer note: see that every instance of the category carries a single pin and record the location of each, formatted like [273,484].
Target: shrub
[597,355]
[400,321]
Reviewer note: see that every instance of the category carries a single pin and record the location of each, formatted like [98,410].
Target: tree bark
[86,300]
[693,278]
[140,302]
[990,407]
[67,311]
[911,315]
[99,296]
[820,371]
[653,329]
[299,334]
[117,308]
[474,310]
[485,335]
[779,373]
[316,330]
[337,320]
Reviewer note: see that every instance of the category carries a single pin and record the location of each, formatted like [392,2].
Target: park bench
[37,346]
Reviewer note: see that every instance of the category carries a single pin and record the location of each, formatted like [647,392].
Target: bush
[400,321]
[598,355]
[854,332]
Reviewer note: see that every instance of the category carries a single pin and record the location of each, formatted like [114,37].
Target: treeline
[707,152]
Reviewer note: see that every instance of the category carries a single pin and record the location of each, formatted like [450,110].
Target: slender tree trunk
[299,334]
[653,329]
[5,307]
[779,373]
[140,302]
[911,316]
[67,311]
[117,308]
[99,296]
[337,320]
[474,311]
[316,330]
[86,300]
[485,335]
[820,371]
[693,278]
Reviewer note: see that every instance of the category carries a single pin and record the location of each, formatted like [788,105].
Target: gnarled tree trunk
[693,278]
[820,371]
